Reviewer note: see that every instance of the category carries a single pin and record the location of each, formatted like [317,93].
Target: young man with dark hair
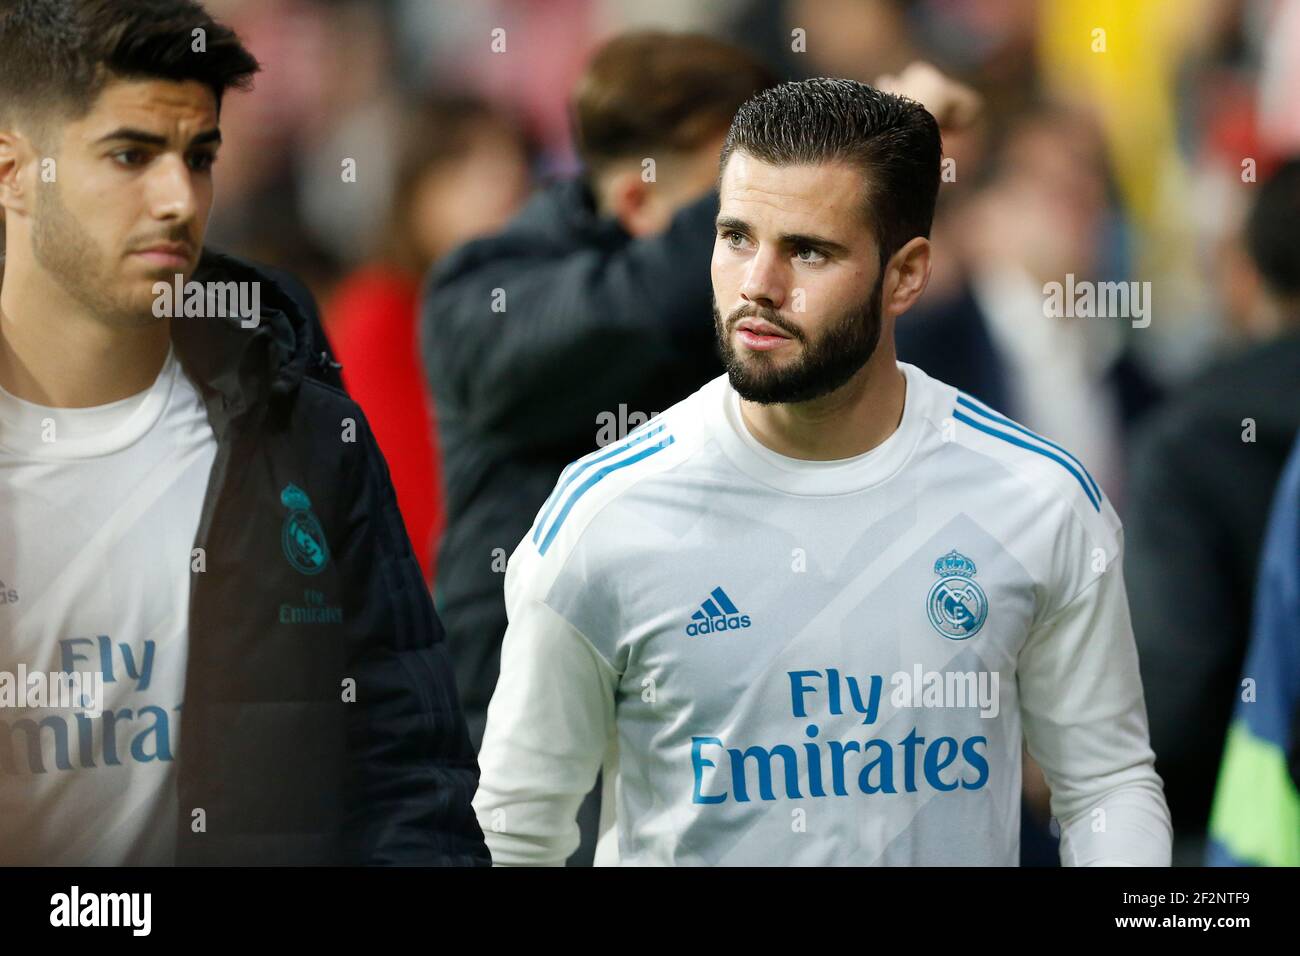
[586,315]
[193,516]
[591,306]
[805,615]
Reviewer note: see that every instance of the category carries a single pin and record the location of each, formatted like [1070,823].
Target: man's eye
[813,254]
[202,162]
[733,239]
[129,157]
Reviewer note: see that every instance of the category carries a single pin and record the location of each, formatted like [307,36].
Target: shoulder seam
[542,538]
[986,418]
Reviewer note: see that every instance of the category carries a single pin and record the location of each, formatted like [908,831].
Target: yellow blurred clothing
[1122,57]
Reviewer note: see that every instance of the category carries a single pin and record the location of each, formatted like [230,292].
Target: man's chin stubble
[754,380]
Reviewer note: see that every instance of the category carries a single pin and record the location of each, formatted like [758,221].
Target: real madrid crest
[956,604]
[303,539]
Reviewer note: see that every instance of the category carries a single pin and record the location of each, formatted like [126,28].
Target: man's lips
[166,254]
[760,327]
[761,336]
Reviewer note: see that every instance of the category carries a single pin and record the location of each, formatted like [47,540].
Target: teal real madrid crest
[956,604]
[303,539]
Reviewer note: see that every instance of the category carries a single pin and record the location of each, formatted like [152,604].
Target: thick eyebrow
[786,238]
[128,134]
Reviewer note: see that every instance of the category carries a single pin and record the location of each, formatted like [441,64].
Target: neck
[53,353]
[850,421]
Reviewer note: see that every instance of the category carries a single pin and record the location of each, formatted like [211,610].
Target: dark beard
[825,365]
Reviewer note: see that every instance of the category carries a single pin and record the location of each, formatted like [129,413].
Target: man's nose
[765,282]
[172,190]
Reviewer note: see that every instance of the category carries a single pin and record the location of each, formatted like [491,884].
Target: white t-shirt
[99,508]
[797,662]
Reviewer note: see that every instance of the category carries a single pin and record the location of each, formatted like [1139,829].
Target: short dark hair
[56,56]
[892,139]
[1272,230]
[648,90]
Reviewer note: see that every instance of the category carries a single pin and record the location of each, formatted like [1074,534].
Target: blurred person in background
[1255,818]
[1041,214]
[855,39]
[1203,474]
[303,87]
[462,172]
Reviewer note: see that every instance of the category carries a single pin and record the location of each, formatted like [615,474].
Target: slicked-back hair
[56,56]
[894,141]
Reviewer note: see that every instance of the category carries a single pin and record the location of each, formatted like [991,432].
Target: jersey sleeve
[1085,723]
[550,724]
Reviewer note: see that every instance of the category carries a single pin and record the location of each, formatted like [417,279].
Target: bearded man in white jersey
[193,515]
[808,615]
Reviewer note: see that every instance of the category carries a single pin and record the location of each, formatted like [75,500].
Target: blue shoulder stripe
[576,469]
[546,507]
[993,416]
[1012,439]
[595,477]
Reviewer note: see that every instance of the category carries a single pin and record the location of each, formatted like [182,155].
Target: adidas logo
[717,613]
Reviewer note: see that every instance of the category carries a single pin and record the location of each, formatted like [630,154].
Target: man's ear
[627,198]
[16,155]
[906,275]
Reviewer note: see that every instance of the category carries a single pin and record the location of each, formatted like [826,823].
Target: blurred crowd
[1147,143]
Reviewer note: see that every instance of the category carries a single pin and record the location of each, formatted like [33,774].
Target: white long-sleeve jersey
[799,662]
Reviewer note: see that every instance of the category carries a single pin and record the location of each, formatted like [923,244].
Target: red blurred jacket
[374,330]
